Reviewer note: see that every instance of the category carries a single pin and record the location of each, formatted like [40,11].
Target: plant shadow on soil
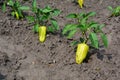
[2,77]
[99,54]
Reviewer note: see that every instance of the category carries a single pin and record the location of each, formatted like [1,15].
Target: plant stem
[86,37]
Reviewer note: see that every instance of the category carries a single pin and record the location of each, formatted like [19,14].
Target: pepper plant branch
[86,37]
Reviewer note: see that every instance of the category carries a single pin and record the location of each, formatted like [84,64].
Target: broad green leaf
[82,27]
[94,40]
[71,33]
[30,19]
[81,14]
[56,12]
[36,28]
[24,8]
[90,14]
[74,43]
[83,21]
[87,15]
[20,13]
[93,25]
[73,15]
[34,6]
[51,29]
[44,17]
[68,28]
[104,39]
[47,9]
[16,4]
[98,29]
[4,7]
[55,24]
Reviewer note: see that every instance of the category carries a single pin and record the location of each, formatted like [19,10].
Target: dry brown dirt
[23,57]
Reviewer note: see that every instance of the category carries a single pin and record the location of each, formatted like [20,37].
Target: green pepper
[42,33]
[81,53]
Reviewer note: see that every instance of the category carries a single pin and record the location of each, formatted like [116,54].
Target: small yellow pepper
[81,53]
[80,2]
[17,15]
[42,33]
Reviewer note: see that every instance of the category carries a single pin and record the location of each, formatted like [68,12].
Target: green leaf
[110,8]
[104,39]
[90,14]
[10,3]
[93,25]
[118,8]
[73,15]
[36,28]
[69,27]
[74,43]
[24,8]
[51,29]
[47,9]
[13,14]
[117,11]
[71,33]
[83,21]
[82,27]
[34,6]
[98,29]
[101,26]
[20,13]
[17,3]
[85,16]
[56,12]
[55,24]
[4,7]
[30,19]
[44,17]
[94,40]
[81,14]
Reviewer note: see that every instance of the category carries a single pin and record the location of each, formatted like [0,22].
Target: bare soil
[23,57]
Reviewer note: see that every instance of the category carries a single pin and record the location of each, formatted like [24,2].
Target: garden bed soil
[23,57]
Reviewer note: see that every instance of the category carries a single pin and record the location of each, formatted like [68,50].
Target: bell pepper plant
[115,11]
[17,8]
[43,20]
[89,30]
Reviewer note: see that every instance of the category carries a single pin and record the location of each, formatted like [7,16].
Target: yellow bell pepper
[42,33]
[80,2]
[81,53]
[17,15]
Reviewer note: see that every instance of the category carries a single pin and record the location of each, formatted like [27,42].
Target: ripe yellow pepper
[17,15]
[42,33]
[81,53]
[80,2]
